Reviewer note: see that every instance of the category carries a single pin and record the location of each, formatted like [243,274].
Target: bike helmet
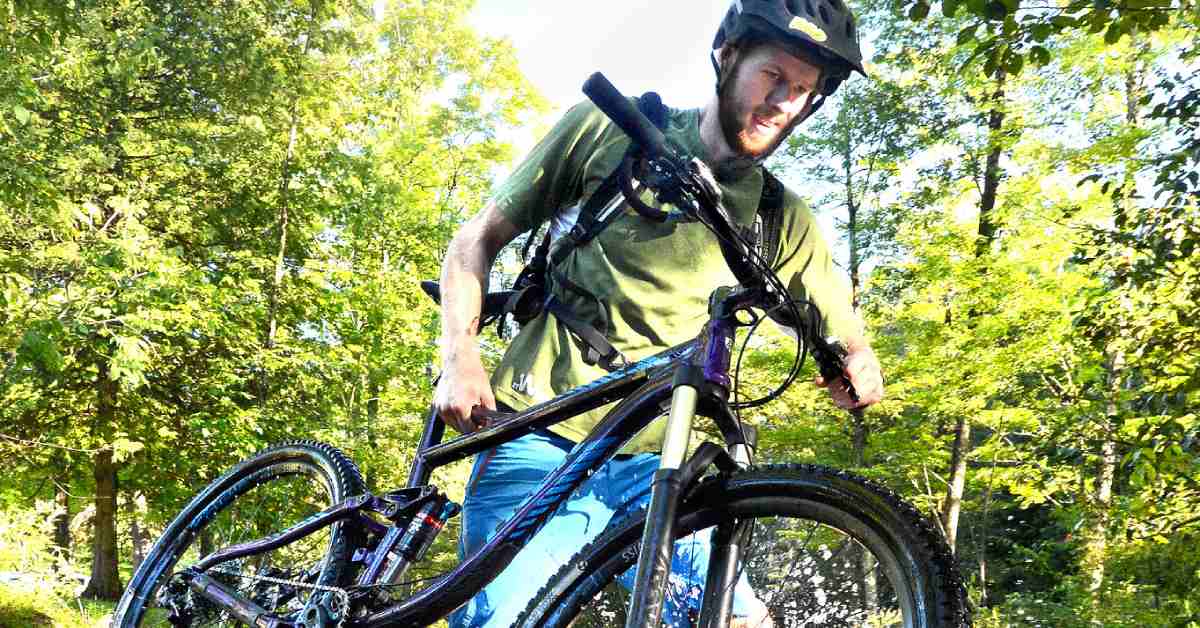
[819,31]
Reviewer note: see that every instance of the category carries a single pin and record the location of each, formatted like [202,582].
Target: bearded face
[767,88]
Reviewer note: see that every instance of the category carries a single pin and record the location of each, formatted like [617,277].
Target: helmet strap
[718,65]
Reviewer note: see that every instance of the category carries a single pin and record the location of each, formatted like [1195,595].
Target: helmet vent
[809,5]
[824,13]
[793,6]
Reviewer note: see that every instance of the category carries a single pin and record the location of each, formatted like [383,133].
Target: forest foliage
[213,218]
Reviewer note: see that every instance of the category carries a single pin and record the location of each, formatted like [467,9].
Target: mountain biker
[645,284]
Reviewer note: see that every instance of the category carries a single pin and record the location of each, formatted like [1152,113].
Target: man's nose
[787,99]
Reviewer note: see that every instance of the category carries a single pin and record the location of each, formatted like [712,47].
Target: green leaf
[1113,34]
[950,7]
[1063,21]
[1040,55]
[21,113]
[967,34]
[992,64]
[1014,63]
[1040,31]
[918,11]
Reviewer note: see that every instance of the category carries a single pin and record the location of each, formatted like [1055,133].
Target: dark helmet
[820,31]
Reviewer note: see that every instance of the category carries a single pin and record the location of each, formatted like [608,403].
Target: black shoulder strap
[769,220]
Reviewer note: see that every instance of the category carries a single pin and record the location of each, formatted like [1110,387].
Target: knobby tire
[266,493]
[802,585]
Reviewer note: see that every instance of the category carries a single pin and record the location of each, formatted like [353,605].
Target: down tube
[460,585]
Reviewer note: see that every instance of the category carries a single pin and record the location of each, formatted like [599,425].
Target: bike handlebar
[622,112]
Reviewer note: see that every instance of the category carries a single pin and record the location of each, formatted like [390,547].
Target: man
[646,284]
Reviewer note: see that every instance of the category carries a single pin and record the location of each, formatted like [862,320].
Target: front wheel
[265,494]
[827,548]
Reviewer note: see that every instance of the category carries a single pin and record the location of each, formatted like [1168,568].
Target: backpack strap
[768,222]
[597,213]
[530,295]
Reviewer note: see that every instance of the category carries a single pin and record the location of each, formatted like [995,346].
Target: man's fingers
[458,416]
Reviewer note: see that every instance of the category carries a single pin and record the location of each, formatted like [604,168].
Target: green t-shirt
[651,280]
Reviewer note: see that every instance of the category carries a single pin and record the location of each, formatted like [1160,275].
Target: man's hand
[863,371]
[462,386]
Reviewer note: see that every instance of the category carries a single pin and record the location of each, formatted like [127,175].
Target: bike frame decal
[588,456]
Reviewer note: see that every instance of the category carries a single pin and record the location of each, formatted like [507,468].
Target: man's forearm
[465,273]
[463,284]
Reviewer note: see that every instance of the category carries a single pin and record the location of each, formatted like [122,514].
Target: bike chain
[343,595]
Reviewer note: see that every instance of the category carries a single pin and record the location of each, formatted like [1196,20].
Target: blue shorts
[501,480]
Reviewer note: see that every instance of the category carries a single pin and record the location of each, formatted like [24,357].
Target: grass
[24,607]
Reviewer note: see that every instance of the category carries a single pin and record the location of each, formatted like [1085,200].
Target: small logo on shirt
[523,384]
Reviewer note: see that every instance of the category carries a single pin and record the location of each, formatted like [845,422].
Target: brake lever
[830,355]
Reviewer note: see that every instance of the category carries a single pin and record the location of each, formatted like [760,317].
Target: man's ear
[726,56]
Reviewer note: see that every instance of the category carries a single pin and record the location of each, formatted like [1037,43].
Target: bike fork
[658,537]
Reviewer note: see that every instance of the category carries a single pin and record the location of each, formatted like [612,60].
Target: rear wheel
[827,549]
[270,492]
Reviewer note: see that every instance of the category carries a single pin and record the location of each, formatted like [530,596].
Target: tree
[147,321]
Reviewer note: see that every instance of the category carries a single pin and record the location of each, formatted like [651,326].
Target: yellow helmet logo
[808,28]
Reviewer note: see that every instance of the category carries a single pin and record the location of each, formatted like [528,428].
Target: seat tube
[658,537]
[431,434]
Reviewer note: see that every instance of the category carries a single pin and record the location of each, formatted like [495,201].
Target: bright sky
[639,45]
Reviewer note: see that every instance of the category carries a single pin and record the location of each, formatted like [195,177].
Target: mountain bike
[291,536]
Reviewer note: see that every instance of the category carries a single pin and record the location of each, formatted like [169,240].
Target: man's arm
[464,383]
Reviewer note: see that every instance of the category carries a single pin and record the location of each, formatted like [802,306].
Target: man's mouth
[761,125]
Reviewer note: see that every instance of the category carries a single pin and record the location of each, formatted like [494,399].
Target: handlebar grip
[625,115]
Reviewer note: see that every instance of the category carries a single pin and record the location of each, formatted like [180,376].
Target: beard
[737,122]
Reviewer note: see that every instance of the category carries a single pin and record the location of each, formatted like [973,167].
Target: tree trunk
[1096,543]
[284,219]
[138,537]
[105,583]
[991,172]
[865,564]
[137,534]
[61,519]
[852,229]
[952,505]
[282,224]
